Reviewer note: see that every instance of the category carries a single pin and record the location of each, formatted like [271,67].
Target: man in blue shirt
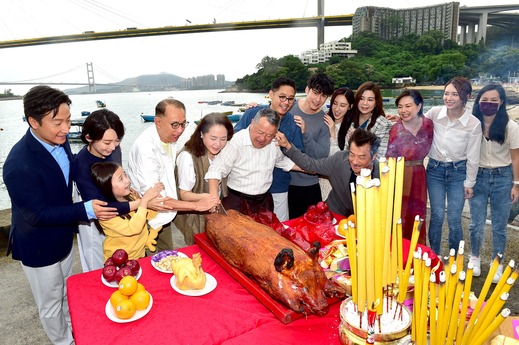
[282,97]
[44,218]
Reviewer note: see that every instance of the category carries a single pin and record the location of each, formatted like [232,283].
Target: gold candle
[352,254]
[426,272]
[493,326]
[481,298]
[490,316]
[370,240]
[493,297]
[455,309]
[441,309]
[361,244]
[465,302]
[432,309]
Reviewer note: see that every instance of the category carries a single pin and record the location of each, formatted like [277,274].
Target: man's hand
[159,204]
[207,203]
[103,212]
[282,140]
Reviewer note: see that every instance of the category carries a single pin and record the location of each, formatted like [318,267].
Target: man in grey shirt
[304,189]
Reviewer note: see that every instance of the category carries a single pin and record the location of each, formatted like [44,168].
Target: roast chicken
[189,273]
[280,267]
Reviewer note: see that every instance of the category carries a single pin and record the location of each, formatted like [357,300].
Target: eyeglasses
[176,124]
[285,98]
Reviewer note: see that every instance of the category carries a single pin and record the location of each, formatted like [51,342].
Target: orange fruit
[125,309]
[141,299]
[351,218]
[128,285]
[140,287]
[116,297]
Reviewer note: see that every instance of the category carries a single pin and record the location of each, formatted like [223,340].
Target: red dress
[403,143]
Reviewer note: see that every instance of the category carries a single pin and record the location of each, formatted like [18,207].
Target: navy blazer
[44,217]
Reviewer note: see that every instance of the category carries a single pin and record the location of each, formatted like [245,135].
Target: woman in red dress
[411,138]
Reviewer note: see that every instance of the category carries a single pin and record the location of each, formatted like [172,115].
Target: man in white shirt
[248,161]
[152,160]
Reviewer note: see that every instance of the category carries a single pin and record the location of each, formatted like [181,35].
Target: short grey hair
[271,115]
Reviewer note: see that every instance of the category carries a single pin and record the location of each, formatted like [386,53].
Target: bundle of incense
[378,229]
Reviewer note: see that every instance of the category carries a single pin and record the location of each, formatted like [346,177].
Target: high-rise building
[389,23]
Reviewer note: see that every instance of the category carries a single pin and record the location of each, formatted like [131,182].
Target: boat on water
[76,126]
[233,117]
[148,118]
[100,104]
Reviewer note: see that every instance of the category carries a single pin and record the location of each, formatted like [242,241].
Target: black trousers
[300,197]
[240,202]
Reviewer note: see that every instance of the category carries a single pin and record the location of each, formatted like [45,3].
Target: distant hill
[147,82]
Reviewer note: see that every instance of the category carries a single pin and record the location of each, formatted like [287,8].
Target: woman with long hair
[208,139]
[127,231]
[497,180]
[453,161]
[340,112]
[411,137]
[368,113]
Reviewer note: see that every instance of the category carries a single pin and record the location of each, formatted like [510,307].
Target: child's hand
[151,193]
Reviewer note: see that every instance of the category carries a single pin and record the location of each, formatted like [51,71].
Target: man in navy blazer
[44,218]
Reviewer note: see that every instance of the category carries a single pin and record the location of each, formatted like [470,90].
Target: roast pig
[281,268]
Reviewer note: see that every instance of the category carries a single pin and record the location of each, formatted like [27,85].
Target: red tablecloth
[227,315]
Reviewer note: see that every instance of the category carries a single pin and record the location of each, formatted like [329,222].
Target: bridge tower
[91,80]
[320,26]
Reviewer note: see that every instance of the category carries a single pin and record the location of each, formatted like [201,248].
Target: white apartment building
[326,51]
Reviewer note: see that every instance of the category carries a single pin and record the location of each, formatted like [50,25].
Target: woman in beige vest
[208,139]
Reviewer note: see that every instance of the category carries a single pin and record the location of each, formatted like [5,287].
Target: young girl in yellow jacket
[129,231]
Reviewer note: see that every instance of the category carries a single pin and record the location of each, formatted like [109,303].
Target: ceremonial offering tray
[394,330]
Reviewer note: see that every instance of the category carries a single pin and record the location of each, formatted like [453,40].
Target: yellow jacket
[130,234]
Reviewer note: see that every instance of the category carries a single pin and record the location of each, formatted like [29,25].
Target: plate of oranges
[129,302]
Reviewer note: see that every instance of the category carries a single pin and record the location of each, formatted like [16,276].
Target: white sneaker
[476,261]
[498,274]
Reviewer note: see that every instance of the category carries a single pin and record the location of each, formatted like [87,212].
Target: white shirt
[334,143]
[456,140]
[248,169]
[149,163]
[493,154]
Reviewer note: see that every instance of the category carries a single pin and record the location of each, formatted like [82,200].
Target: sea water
[129,107]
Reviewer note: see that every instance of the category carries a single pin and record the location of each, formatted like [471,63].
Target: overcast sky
[234,54]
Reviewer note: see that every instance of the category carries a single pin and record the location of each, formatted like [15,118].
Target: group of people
[282,157]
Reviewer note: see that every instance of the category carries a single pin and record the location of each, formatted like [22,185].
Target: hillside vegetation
[430,59]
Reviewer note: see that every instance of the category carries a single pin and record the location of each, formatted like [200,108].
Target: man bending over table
[342,168]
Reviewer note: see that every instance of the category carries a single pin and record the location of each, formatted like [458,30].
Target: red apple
[123,272]
[134,266]
[109,273]
[119,257]
[322,207]
[311,208]
[109,262]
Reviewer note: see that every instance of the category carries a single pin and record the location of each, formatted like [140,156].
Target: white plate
[337,231]
[115,284]
[210,285]
[154,264]
[110,312]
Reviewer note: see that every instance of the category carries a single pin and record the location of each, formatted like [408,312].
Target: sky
[234,54]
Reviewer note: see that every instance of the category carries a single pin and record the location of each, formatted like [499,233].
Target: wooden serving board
[284,314]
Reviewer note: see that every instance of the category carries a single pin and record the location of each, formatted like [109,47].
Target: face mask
[488,108]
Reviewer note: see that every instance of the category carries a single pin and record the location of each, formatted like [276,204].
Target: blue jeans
[494,184]
[445,183]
